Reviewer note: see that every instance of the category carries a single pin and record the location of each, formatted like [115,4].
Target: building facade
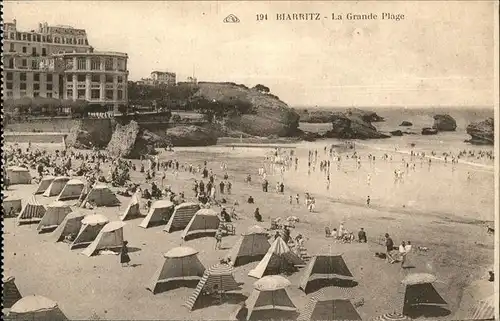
[158,78]
[58,62]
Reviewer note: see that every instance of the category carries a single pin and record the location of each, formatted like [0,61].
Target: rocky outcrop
[482,133]
[89,133]
[444,123]
[316,116]
[366,115]
[191,136]
[354,124]
[429,131]
[79,138]
[130,141]
[396,133]
[406,123]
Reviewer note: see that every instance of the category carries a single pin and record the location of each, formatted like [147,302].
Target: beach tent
[18,175]
[101,195]
[218,278]
[183,213]
[419,292]
[91,226]
[324,267]
[473,296]
[204,223]
[10,292]
[109,238]
[251,246]
[55,215]
[279,258]
[323,307]
[31,213]
[485,309]
[393,316]
[133,208]
[36,307]
[70,225]
[269,299]
[72,190]
[56,186]
[44,184]
[11,204]
[180,267]
[159,213]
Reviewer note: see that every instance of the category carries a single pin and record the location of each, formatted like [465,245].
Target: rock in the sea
[130,141]
[482,133]
[406,123]
[444,123]
[353,124]
[396,133]
[366,115]
[429,131]
[191,136]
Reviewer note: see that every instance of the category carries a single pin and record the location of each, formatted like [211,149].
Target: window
[24,63]
[22,86]
[57,40]
[95,64]
[69,78]
[34,64]
[11,63]
[120,79]
[49,77]
[12,49]
[9,85]
[38,38]
[24,36]
[36,86]
[6,36]
[108,64]
[44,52]
[10,94]
[81,78]
[48,95]
[36,94]
[81,93]
[69,93]
[109,94]
[96,78]
[29,37]
[81,63]
[120,95]
[22,76]
[33,51]
[24,49]
[12,35]
[109,78]
[9,76]
[48,87]
[95,93]
[36,77]
[18,36]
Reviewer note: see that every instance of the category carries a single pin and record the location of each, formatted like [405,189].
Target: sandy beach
[452,228]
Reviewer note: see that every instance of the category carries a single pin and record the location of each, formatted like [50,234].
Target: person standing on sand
[124,257]
[368,201]
[389,245]
[218,239]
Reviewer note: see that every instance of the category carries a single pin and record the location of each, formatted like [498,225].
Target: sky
[440,54]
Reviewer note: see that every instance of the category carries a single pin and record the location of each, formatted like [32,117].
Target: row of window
[95,94]
[46,38]
[69,78]
[24,49]
[22,86]
[22,76]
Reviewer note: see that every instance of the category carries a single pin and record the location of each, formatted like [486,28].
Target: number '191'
[261,16]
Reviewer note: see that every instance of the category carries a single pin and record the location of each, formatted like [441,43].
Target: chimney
[40,27]
[14,21]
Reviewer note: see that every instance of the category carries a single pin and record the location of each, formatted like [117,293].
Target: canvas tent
[419,292]
[13,205]
[218,278]
[91,226]
[44,184]
[36,307]
[31,213]
[159,213]
[70,226]
[183,213]
[251,246]
[278,259]
[204,223]
[323,307]
[269,299]
[109,238]
[71,190]
[10,292]
[133,208]
[101,195]
[18,175]
[56,186]
[55,215]
[324,267]
[181,266]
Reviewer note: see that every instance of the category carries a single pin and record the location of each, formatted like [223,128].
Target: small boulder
[429,131]
[482,133]
[406,123]
[396,133]
[444,123]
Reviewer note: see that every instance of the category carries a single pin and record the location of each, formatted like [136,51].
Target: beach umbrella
[419,278]
[271,283]
[394,316]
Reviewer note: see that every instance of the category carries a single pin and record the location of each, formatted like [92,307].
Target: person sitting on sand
[362,236]
[250,200]
[257,215]
[225,215]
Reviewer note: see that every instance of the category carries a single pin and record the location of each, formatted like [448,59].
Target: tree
[262,88]
[176,118]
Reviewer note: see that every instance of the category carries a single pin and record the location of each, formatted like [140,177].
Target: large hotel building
[58,62]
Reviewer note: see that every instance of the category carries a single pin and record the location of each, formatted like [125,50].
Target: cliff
[482,133]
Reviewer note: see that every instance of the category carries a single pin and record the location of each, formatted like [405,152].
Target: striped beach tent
[278,259]
[56,186]
[420,293]
[133,209]
[72,190]
[55,215]
[91,226]
[44,184]
[109,238]
[71,225]
[18,175]
[485,309]
[204,223]
[10,292]
[31,213]
[101,195]
[321,268]
[180,267]
[36,307]
[393,316]
[251,246]
[158,214]
[183,213]
[320,307]
[270,300]
[216,280]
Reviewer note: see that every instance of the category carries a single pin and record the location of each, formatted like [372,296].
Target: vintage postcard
[250,160]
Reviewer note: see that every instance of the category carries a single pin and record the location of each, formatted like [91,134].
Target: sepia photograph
[250,160]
